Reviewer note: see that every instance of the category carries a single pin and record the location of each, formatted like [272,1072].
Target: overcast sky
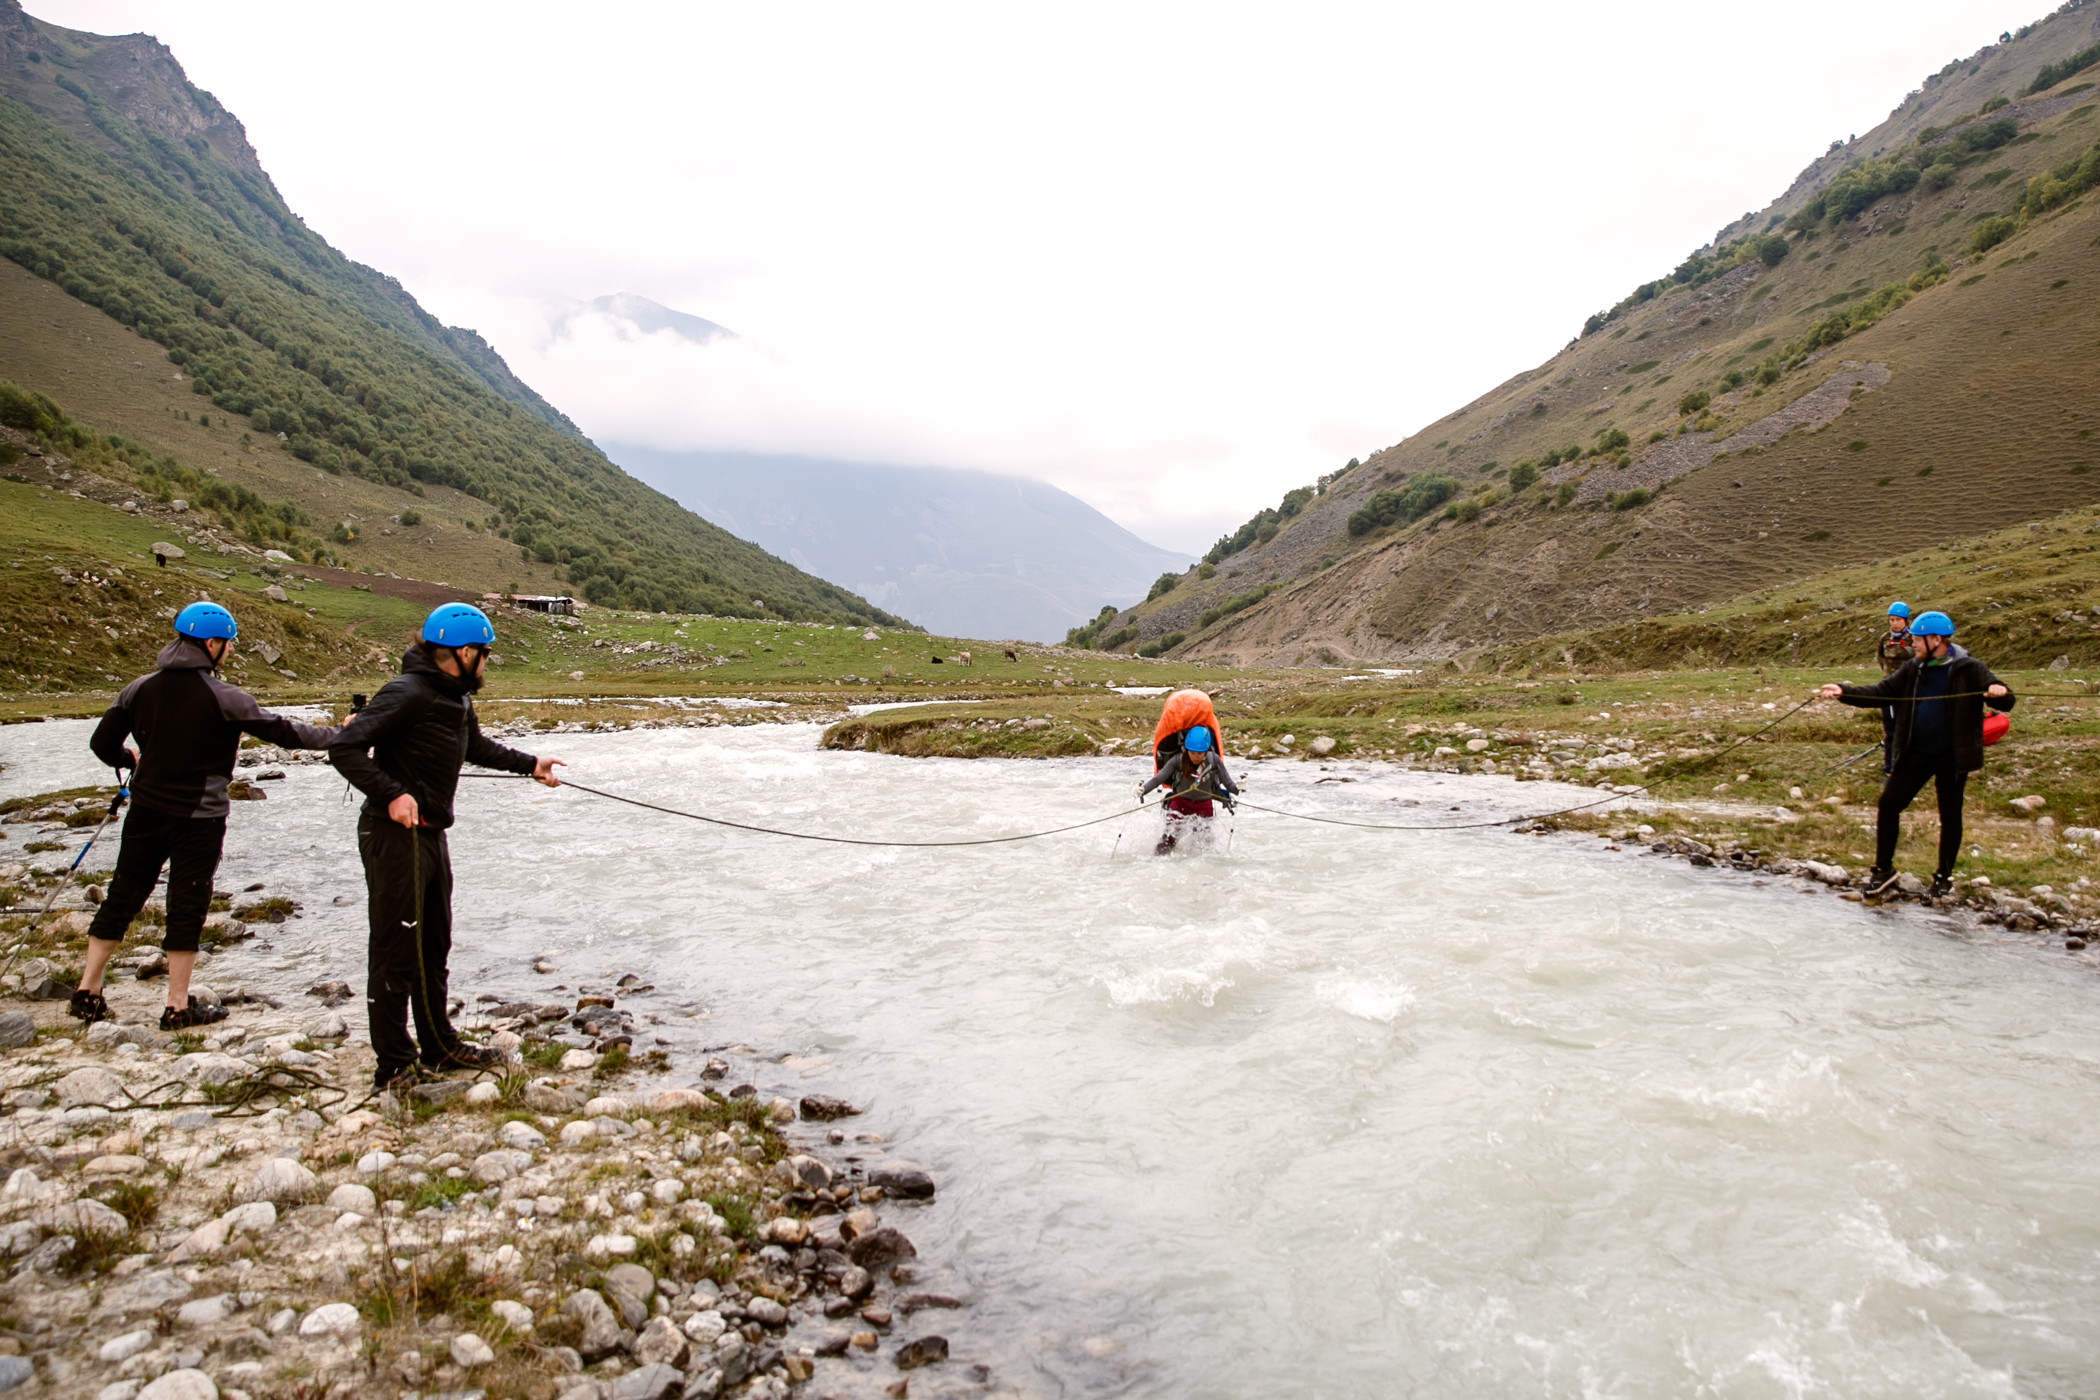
[1174,259]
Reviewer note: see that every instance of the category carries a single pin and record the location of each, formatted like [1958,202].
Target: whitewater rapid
[1315,1111]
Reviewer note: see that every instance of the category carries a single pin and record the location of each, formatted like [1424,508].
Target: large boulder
[280,1179]
[601,1329]
[880,1248]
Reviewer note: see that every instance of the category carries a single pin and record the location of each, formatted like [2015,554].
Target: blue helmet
[1197,740]
[458,625]
[1932,624]
[1899,610]
[206,620]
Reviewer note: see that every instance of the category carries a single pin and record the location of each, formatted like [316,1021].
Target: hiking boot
[400,1081]
[465,1056]
[190,1016]
[1879,881]
[89,1007]
[1942,886]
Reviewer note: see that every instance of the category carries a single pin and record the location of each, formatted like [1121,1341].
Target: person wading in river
[1188,759]
[1892,649]
[1939,697]
[189,725]
[403,751]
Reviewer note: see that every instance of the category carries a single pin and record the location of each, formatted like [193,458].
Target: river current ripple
[1317,1111]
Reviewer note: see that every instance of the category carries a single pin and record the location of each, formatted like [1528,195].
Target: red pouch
[1994,726]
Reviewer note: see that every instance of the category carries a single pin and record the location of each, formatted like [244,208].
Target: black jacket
[1966,681]
[189,725]
[412,738]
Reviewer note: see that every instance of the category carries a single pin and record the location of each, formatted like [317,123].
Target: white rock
[373,1163]
[127,1346]
[668,1190]
[90,1085]
[327,1025]
[605,1106]
[610,1246]
[704,1327]
[331,1319]
[212,1067]
[500,1165]
[206,1312]
[484,1093]
[351,1196]
[186,1384]
[522,1136]
[1322,746]
[208,1238]
[1828,874]
[572,1134]
[119,1390]
[470,1351]
[516,1316]
[579,1060]
[281,1179]
[82,1217]
[251,1219]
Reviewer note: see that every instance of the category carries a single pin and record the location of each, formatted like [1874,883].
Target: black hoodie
[413,737]
[189,725]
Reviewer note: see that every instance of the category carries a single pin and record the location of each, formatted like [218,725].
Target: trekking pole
[1858,756]
[116,804]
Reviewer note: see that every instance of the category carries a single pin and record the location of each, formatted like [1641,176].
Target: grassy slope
[116,196]
[1990,391]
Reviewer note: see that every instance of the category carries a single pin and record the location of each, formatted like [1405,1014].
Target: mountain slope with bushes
[1898,351]
[138,195]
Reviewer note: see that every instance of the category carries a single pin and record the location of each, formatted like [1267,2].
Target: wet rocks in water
[822,1108]
[917,1301]
[900,1180]
[330,993]
[921,1351]
[879,1248]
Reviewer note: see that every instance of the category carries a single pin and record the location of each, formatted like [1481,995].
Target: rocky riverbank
[231,1214]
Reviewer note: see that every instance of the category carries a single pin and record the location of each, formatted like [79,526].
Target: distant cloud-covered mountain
[645,316]
[963,553]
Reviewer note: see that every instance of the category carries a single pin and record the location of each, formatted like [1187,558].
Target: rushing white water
[1332,1112]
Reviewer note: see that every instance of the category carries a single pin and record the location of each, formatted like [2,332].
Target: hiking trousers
[406,872]
[189,848]
[1905,782]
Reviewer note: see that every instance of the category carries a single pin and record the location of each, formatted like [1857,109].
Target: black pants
[189,848]
[1911,773]
[1888,739]
[406,870]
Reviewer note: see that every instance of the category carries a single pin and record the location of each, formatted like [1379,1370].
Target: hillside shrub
[1854,190]
[1840,324]
[1421,496]
[1295,501]
[2061,185]
[1163,645]
[1772,249]
[2051,74]
[1938,175]
[1732,380]
[1522,475]
[1267,532]
[1768,371]
[1236,605]
[1463,510]
[1565,494]
[1120,637]
[1627,500]
[31,412]
[1084,636]
[1991,232]
[1162,586]
[1610,440]
[1694,401]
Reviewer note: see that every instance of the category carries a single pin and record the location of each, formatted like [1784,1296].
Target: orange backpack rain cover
[1184,710]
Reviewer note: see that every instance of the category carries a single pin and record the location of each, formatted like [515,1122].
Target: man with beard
[404,751]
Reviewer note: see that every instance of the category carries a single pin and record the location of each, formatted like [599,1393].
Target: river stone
[145,1292]
[785,1229]
[880,1248]
[212,1067]
[659,1343]
[605,1106]
[577,1133]
[374,1162]
[114,1164]
[855,1282]
[601,1330]
[901,1180]
[440,1091]
[90,1085]
[186,1384]
[17,1029]
[809,1172]
[470,1351]
[123,1348]
[652,1382]
[924,1351]
[250,1219]
[325,1025]
[515,1315]
[483,1093]
[500,1165]
[553,1100]
[281,1179]
[766,1312]
[671,1099]
[83,1217]
[823,1108]
[331,1320]
[576,1060]
[351,1196]
[704,1327]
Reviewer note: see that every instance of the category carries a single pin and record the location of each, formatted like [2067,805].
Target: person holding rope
[1189,760]
[403,750]
[1892,649]
[189,725]
[1939,697]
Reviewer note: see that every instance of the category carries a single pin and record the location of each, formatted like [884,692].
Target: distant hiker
[189,725]
[1892,649]
[403,750]
[1188,759]
[1939,697]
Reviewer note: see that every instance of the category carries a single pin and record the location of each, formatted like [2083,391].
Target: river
[1319,1111]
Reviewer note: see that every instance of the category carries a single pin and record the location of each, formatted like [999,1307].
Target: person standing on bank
[189,725]
[1892,649]
[1939,697]
[403,750]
